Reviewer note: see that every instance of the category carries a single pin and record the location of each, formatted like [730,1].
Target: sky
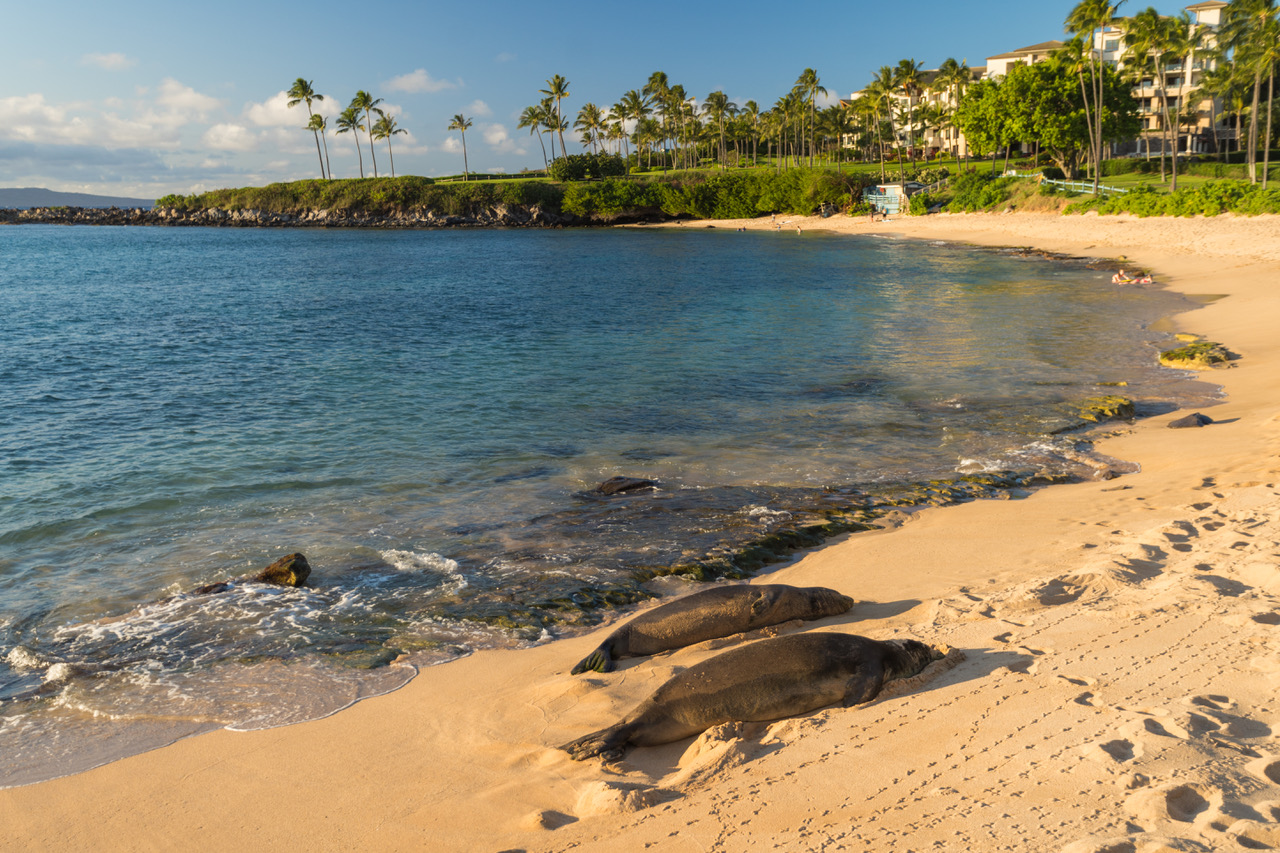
[141,99]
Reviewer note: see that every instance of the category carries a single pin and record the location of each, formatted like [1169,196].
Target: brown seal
[712,613]
[765,680]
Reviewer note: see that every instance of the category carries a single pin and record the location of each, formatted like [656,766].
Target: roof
[1042,47]
[1207,4]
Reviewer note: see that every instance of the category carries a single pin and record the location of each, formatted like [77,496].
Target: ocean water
[423,415]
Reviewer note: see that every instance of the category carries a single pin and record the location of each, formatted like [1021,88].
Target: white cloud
[505,57]
[230,137]
[108,61]
[828,100]
[275,112]
[500,140]
[452,144]
[417,82]
[479,109]
[184,100]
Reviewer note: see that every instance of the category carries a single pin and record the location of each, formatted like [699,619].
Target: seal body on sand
[766,680]
[719,612]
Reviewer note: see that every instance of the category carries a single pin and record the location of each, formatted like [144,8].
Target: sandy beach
[1118,689]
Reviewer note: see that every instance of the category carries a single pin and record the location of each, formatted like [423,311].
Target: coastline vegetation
[657,150]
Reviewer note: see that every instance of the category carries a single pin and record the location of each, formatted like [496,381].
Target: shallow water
[420,413]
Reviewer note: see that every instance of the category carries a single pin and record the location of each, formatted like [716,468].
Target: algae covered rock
[1107,408]
[1197,355]
[290,570]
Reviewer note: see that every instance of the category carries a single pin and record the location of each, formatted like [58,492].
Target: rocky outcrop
[496,216]
[290,570]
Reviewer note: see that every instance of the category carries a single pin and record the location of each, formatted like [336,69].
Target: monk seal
[766,680]
[719,612]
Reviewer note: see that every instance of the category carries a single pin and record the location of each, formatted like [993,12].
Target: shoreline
[458,758]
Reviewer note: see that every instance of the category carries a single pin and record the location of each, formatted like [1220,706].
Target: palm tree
[718,108]
[953,78]
[751,113]
[557,89]
[809,86]
[460,123]
[633,107]
[349,120]
[532,119]
[364,102]
[317,125]
[553,124]
[385,128]
[591,122]
[302,93]
[884,85]
[907,79]
[1146,40]
[1182,38]
[1088,17]
[658,91]
[1216,84]
[1249,28]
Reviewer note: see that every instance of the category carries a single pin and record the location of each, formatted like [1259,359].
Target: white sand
[1119,687]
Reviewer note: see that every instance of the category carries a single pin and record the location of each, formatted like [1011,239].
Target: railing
[934,187]
[1082,187]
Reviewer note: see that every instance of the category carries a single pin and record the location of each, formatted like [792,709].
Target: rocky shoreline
[487,217]
[497,216]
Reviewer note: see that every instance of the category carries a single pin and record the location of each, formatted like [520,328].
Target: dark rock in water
[291,570]
[210,589]
[618,485]
[1190,421]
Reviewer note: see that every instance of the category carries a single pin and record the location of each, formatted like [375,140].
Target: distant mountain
[34,197]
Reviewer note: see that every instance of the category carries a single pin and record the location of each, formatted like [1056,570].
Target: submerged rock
[618,485]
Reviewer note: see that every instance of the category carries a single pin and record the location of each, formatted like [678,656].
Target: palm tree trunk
[392,156]
[327,167]
[356,136]
[466,168]
[1253,129]
[544,147]
[1087,118]
[316,134]
[1266,141]
[372,155]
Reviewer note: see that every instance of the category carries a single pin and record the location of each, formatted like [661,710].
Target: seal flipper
[864,686]
[600,661]
[608,744]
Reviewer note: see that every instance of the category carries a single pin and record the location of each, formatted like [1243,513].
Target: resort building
[920,120]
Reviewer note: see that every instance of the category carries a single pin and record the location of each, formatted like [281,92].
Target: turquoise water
[420,413]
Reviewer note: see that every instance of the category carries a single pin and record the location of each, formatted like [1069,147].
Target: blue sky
[125,97]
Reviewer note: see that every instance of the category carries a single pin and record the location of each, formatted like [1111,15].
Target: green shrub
[1209,199]
[978,190]
[919,204]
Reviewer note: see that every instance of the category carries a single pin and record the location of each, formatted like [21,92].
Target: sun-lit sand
[1120,687]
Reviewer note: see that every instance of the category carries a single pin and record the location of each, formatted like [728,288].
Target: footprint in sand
[1178,802]
[1267,768]
[1252,835]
